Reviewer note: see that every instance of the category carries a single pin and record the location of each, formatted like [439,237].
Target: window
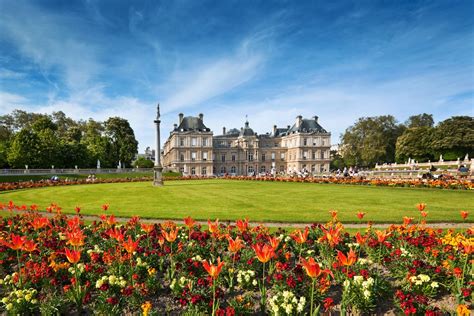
[193,170]
[223,170]
[273,156]
[181,141]
[282,168]
[262,168]
[204,142]
[250,157]
[181,170]
[313,168]
[204,156]
[213,157]
[204,171]
[322,154]
[233,157]
[194,142]
[322,142]
[314,155]
[223,158]
[250,169]
[193,156]
[305,142]
[181,157]
[305,155]
[263,157]
[282,156]
[232,169]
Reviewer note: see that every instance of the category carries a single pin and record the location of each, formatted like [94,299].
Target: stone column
[157,170]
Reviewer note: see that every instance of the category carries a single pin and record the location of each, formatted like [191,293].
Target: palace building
[193,149]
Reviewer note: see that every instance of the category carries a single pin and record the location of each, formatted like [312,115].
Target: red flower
[360,215]
[457,272]
[274,242]
[148,228]
[130,246]
[39,222]
[72,256]
[29,245]
[464,214]
[264,253]
[242,225]
[312,268]
[421,206]
[300,237]
[189,222]
[333,214]
[349,260]
[77,209]
[381,235]
[105,206]
[328,303]
[75,237]
[213,226]
[235,245]
[407,220]
[171,235]
[17,242]
[213,270]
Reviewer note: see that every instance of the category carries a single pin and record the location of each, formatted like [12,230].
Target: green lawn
[259,201]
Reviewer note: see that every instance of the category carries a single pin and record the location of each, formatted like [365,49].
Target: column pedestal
[157,176]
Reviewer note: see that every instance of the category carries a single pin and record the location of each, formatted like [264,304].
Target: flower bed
[59,265]
[419,183]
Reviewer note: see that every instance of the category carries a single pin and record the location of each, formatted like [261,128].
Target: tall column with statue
[157,170]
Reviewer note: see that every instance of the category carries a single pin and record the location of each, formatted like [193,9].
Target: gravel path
[444,225]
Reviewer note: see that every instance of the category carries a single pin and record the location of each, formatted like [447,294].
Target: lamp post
[157,177]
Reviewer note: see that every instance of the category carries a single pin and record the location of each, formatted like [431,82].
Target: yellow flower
[151,271]
[146,308]
[462,310]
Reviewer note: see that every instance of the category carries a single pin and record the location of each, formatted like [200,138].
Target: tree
[454,137]
[142,162]
[25,150]
[415,143]
[124,146]
[420,120]
[371,140]
[337,162]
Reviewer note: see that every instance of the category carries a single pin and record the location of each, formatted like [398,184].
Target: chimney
[299,119]
[201,117]
[180,115]
[223,130]
[274,130]
[175,126]
[315,118]
[288,126]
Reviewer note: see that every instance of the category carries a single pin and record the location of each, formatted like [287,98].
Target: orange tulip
[349,260]
[171,235]
[213,226]
[189,222]
[235,245]
[73,256]
[242,225]
[360,239]
[333,214]
[213,270]
[331,235]
[264,253]
[147,228]
[423,213]
[463,310]
[312,268]
[407,220]
[381,236]
[274,242]
[116,234]
[300,237]
[29,245]
[464,214]
[17,242]
[75,237]
[360,215]
[421,206]
[39,222]
[130,246]
[105,206]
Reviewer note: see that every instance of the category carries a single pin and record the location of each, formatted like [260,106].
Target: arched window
[223,170]
[233,169]
[262,168]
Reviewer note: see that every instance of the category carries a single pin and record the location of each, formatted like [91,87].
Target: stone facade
[193,149]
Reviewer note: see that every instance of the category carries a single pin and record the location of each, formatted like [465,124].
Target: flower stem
[19,266]
[312,296]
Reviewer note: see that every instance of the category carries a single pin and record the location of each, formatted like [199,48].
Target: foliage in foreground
[57,264]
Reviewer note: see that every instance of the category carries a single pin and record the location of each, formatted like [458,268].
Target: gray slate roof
[307,126]
[192,123]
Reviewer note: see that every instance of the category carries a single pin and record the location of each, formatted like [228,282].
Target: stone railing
[72,171]
[412,165]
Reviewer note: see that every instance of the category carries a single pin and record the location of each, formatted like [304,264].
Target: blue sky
[226,59]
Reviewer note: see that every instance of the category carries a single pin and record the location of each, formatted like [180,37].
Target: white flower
[434,285]
[9,306]
[112,279]
[358,279]
[419,282]
[254,282]
[424,277]
[346,283]
[366,294]
[99,283]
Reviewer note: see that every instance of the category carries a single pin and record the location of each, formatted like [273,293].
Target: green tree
[454,137]
[124,146]
[415,143]
[25,150]
[371,140]
[420,120]
[142,162]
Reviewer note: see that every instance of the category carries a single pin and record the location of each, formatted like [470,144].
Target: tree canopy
[42,141]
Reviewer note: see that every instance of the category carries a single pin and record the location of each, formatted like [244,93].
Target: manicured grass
[259,201]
